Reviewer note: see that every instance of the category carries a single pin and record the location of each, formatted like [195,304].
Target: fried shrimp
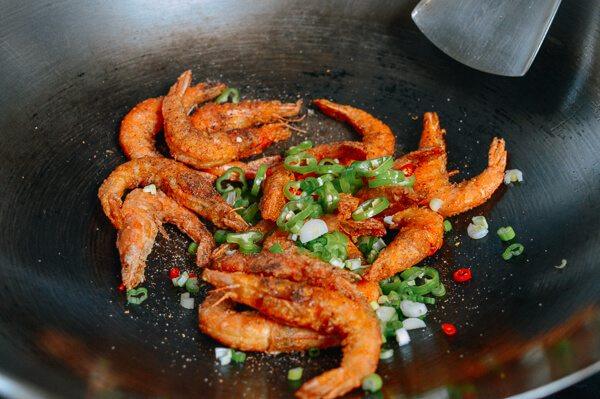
[207,147]
[378,138]
[295,267]
[248,330]
[190,188]
[421,235]
[318,309]
[249,168]
[141,125]
[143,213]
[432,179]
[273,199]
[344,151]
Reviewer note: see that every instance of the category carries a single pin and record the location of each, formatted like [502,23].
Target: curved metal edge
[13,387]
[491,71]
[561,383]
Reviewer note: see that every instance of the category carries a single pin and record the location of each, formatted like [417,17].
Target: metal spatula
[496,36]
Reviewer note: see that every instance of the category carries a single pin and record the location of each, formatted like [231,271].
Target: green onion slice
[228,177]
[136,296]
[329,166]
[261,173]
[238,357]
[229,94]
[391,178]
[506,233]
[192,286]
[370,208]
[301,162]
[192,248]
[328,197]
[293,190]
[372,383]
[276,248]
[512,250]
[305,145]
[294,213]
[447,226]
[220,236]
[246,241]
[251,214]
[295,374]
[373,167]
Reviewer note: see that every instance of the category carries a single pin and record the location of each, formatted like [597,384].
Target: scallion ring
[506,233]
[136,296]
[227,177]
[512,250]
[261,173]
[301,162]
[328,197]
[328,165]
[305,145]
[370,208]
[229,94]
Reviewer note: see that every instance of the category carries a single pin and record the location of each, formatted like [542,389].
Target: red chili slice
[462,275]
[174,272]
[449,329]
[121,287]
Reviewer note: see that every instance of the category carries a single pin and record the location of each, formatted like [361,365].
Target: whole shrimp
[206,147]
[318,309]
[141,125]
[293,266]
[421,235]
[190,188]
[143,213]
[378,138]
[432,179]
[248,330]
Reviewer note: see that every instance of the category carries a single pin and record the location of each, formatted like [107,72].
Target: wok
[71,70]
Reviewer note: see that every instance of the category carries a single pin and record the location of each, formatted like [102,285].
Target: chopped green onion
[294,213]
[295,374]
[373,167]
[246,241]
[386,354]
[391,178]
[136,296]
[447,226]
[348,182]
[227,177]
[261,173]
[372,383]
[192,286]
[314,352]
[276,248]
[374,305]
[506,233]
[328,165]
[328,197]
[238,357]
[227,94]
[512,250]
[370,208]
[251,214]
[192,248]
[391,327]
[293,190]
[438,291]
[305,145]
[220,236]
[301,162]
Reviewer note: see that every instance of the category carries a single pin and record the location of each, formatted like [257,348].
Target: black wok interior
[69,72]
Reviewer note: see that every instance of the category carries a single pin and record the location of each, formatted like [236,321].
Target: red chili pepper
[121,287]
[192,275]
[408,169]
[174,272]
[462,275]
[449,329]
